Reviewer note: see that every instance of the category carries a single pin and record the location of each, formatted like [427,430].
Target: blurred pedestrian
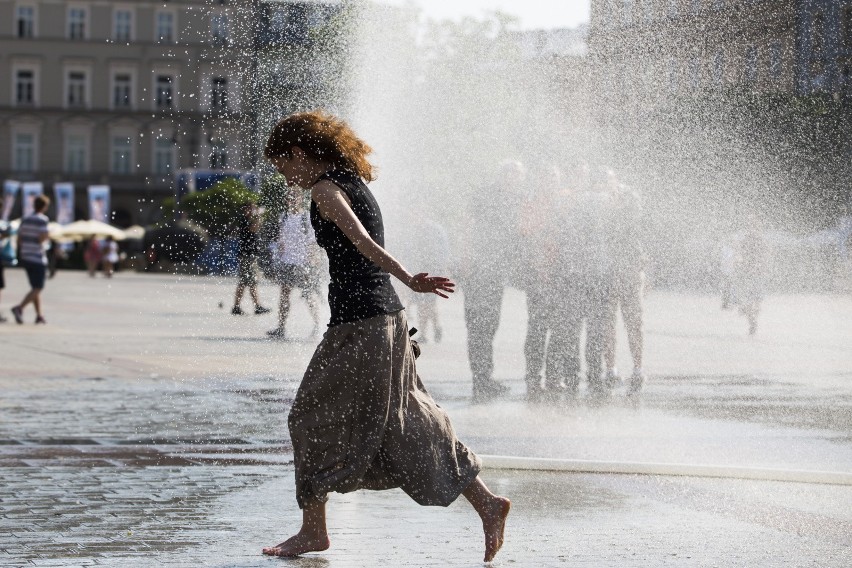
[491,260]
[110,256]
[294,260]
[629,260]
[32,234]
[92,255]
[54,255]
[249,243]
[361,417]
[751,272]
[540,221]
[426,243]
[5,231]
[583,286]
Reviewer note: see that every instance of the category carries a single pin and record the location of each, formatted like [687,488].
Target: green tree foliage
[273,191]
[219,208]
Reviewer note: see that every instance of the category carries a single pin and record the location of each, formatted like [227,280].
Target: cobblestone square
[145,426]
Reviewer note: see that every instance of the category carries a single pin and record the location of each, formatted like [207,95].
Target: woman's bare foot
[494,524]
[300,543]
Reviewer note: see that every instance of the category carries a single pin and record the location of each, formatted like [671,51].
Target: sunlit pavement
[145,426]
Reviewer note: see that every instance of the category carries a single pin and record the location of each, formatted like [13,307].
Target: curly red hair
[322,136]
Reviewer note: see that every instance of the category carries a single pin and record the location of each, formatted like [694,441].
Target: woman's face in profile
[287,167]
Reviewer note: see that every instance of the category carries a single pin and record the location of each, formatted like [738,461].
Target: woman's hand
[431,284]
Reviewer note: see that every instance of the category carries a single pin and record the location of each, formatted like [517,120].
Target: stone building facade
[655,49]
[128,93]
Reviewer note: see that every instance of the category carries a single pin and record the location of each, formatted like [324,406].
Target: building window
[25,87]
[122,91]
[164,156]
[627,12]
[76,91]
[219,154]
[77,23]
[673,72]
[76,154]
[695,6]
[775,61]
[123,26]
[122,154]
[673,9]
[219,94]
[750,74]
[818,34]
[695,73]
[219,29]
[846,74]
[25,21]
[648,10]
[164,91]
[24,152]
[165,29]
[846,27]
[719,68]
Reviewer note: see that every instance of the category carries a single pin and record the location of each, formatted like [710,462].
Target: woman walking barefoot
[362,418]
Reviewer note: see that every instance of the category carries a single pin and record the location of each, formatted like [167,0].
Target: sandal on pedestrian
[40,320]
[19,317]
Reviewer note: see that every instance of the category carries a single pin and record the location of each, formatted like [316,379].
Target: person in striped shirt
[32,235]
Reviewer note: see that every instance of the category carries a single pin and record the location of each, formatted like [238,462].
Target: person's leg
[312,299]
[28,298]
[563,351]
[36,299]
[493,511]
[482,305]
[751,310]
[253,293]
[536,339]
[284,307]
[597,333]
[431,311]
[426,311]
[238,296]
[631,312]
[312,537]
[617,293]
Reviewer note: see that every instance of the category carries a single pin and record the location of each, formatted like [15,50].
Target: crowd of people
[573,244]
[571,241]
[292,259]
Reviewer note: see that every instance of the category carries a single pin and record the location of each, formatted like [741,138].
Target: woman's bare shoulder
[326,191]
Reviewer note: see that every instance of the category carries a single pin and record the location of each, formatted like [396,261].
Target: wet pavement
[146,426]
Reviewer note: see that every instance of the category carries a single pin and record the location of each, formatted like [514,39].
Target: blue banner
[10,194]
[64,193]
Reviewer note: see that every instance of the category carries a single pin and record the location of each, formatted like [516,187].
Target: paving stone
[191,466]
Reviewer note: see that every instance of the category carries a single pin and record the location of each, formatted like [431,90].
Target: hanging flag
[30,190]
[99,203]
[10,194]
[64,193]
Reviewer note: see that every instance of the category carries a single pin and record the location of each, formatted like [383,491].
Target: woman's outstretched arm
[334,206]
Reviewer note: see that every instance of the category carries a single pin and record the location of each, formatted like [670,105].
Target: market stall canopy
[91,228]
[136,232]
[53,229]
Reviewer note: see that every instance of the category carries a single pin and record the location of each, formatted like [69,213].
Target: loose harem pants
[363,420]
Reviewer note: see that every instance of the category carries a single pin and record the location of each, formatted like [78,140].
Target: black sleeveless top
[358,289]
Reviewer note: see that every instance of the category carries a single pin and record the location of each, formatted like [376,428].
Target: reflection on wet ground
[751,399]
[145,446]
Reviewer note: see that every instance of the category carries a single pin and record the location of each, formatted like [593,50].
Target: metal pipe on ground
[667,469]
